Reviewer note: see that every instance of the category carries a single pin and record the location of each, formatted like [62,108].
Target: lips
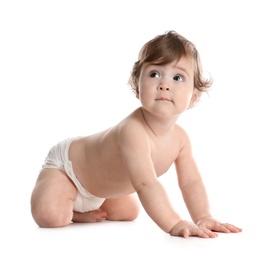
[163,99]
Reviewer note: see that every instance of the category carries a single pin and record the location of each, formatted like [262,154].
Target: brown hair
[164,49]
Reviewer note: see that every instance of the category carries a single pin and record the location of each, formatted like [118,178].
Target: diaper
[58,158]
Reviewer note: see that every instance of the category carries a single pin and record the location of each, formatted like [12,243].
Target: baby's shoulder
[134,123]
[180,131]
[181,136]
[130,127]
[130,135]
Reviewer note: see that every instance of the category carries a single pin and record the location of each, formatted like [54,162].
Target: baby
[102,176]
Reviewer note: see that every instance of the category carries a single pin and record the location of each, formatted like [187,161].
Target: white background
[64,67]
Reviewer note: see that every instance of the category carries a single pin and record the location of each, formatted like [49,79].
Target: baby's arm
[136,154]
[194,193]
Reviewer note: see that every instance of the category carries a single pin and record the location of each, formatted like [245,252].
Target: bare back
[97,159]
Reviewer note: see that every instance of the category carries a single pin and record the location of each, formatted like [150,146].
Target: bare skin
[123,163]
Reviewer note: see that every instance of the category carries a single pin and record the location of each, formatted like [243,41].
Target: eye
[154,74]
[178,78]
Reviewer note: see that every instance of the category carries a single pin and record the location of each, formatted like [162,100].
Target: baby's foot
[89,217]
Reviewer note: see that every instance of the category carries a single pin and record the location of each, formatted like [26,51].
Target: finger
[226,228]
[200,232]
[208,233]
[185,232]
[232,228]
[220,228]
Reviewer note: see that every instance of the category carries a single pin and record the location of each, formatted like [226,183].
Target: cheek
[184,98]
[143,94]
[185,94]
[144,87]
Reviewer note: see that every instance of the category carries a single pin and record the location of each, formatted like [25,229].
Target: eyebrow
[183,69]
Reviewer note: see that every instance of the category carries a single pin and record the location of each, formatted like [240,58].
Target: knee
[50,217]
[133,206]
[133,213]
[125,208]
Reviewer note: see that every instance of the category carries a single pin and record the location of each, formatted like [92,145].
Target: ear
[137,94]
[195,97]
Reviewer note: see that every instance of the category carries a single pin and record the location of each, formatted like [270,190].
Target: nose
[163,87]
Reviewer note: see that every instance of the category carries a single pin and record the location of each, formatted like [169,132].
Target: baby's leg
[89,217]
[123,208]
[52,199]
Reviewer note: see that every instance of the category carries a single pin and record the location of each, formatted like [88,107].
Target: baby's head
[164,49]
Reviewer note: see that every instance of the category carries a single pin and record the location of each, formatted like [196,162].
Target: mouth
[163,99]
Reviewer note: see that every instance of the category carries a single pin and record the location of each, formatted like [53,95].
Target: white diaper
[58,158]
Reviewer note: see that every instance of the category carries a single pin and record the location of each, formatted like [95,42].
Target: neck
[159,125]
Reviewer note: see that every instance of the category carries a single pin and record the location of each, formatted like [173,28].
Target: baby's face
[167,89]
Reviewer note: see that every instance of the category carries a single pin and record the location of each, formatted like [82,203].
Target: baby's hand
[214,225]
[186,229]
